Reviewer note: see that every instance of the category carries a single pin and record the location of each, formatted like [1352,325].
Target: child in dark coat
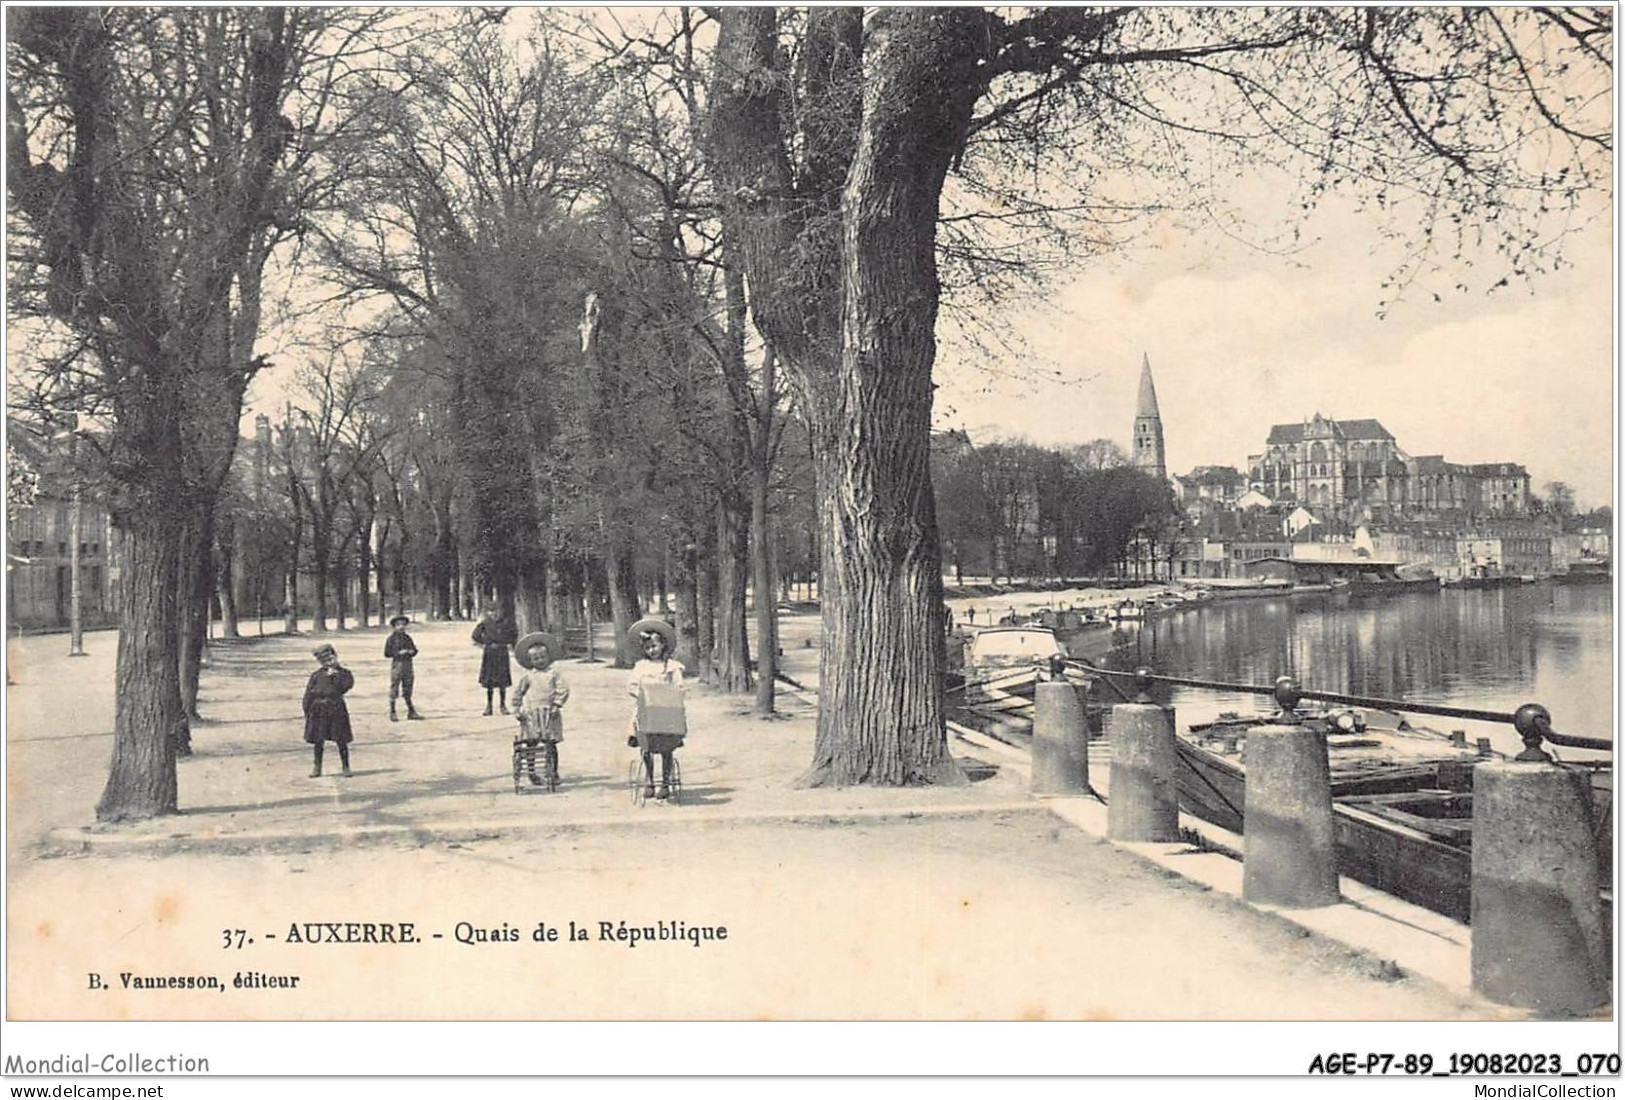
[326,716]
[495,633]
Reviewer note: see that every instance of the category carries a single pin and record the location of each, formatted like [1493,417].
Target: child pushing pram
[658,723]
[539,699]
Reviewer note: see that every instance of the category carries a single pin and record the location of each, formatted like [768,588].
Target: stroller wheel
[634,780]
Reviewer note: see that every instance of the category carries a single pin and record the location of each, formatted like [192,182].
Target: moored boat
[1587,571]
[1401,799]
[1003,666]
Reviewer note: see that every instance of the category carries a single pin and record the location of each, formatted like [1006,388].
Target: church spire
[1148,392]
[1148,448]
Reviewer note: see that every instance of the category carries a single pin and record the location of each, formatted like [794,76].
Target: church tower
[1148,453]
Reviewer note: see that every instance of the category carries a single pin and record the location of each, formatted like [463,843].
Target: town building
[1503,488]
[39,542]
[1585,545]
[1522,555]
[1209,487]
[1356,471]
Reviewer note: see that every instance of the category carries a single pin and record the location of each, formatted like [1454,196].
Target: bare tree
[156,157]
[467,223]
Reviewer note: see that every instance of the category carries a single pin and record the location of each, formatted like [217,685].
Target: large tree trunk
[730,655]
[687,608]
[341,586]
[622,597]
[767,618]
[242,577]
[866,381]
[321,549]
[552,605]
[881,714]
[290,585]
[442,569]
[705,601]
[196,580]
[363,611]
[531,598]
[147,714]
[380,569]
[226,570]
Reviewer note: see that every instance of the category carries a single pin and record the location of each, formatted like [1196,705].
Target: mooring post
[1538,940]
[1289,854]
[1144,803]
[1060,750]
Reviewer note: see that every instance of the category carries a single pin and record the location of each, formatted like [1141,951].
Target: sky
[1239,340]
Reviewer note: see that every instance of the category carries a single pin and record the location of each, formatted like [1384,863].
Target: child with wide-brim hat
[539,696]
[400,649]
[657,640]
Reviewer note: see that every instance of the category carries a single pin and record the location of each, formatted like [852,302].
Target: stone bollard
[1060,750]
[1539,941]
[1289,854]
[1144,803]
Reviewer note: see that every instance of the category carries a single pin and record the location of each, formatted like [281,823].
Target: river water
[1493,650]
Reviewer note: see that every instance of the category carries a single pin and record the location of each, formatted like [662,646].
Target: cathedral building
[1349,467]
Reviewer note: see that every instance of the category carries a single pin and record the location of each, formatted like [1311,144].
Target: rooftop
[1341,429]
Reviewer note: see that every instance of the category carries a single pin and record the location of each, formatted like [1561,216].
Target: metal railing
[1532,721]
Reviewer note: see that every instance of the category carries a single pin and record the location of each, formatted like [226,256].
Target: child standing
[539,698]
[657,639]
[496,634]
[400,649]
[326,716]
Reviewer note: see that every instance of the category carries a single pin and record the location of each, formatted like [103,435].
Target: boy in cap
[326,716]
[400,649]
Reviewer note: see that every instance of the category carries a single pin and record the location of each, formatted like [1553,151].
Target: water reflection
[1487,649]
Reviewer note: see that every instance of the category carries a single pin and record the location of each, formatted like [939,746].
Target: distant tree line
[1010,508]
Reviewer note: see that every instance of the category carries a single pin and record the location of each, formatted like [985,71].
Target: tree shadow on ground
[222,750]
[704,796]
[359,807]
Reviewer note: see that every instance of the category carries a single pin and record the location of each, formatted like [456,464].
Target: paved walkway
[446,783]
[247,783]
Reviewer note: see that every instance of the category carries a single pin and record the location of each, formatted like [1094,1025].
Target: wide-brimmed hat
[400,620]
[653,626]
[521,648]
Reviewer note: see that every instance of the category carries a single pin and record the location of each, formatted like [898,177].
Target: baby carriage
[661,726]
[527,746]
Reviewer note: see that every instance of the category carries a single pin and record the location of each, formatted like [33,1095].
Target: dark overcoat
[496,635]
[326,716]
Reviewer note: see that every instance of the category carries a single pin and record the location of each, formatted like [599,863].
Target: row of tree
[611,271]
[1015,509]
